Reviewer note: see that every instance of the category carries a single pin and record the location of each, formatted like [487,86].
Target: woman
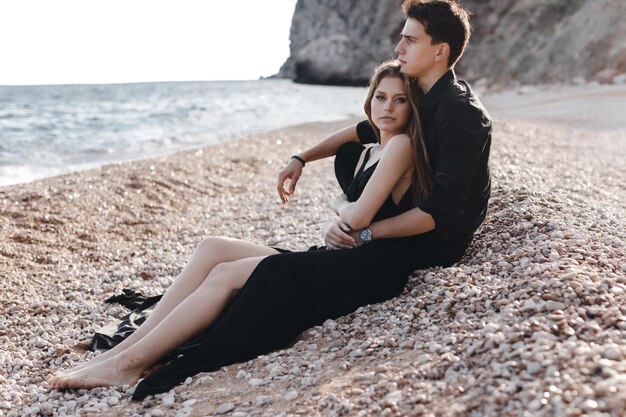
[276,294]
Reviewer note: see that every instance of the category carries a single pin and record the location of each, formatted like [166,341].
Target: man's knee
[345,163]
[349,153]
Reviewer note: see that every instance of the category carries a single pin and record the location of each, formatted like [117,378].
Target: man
[457,132]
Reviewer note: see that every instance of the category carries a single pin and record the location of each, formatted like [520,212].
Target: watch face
[365,235]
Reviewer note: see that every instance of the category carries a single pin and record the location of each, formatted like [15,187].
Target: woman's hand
[337,235]
[340,202]
[292,172]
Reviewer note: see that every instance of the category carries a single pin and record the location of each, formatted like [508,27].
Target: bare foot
[103,374]
[97,359]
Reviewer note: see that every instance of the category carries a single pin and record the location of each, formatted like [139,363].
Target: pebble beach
[531,322]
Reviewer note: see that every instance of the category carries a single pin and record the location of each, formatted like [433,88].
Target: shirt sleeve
[365,132]
[461,138]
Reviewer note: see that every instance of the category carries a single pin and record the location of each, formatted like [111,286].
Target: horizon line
[260,78]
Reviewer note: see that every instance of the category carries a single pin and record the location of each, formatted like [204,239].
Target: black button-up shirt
[457,132]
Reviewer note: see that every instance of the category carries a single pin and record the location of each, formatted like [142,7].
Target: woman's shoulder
[400,137]
[399,144]
[398,153]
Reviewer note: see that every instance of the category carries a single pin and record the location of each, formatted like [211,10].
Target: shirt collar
[428,99]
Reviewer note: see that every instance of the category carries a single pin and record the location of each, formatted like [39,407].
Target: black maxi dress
[292,291]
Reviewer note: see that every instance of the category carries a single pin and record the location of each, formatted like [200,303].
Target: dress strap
[367,158]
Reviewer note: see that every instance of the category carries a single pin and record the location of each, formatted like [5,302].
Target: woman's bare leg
[209,253]
[185,321]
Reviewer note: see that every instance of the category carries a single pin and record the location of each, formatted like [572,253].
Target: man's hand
[355,235]
[337,235]
[292,172]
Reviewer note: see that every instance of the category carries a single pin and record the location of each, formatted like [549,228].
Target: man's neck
[427,81]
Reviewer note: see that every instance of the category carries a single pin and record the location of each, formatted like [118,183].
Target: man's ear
[443,52]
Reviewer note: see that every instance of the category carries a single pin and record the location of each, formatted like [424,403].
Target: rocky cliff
[525,41]
[341,41]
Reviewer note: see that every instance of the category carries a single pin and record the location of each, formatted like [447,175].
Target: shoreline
[127,122]
[191,149]
[533,307]
[530,102]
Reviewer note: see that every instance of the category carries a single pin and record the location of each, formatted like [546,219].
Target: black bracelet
[299,159]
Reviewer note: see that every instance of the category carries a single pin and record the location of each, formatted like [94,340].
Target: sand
[532,321]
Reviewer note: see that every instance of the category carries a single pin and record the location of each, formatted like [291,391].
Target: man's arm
[409,223]
[462,137]
[328,147]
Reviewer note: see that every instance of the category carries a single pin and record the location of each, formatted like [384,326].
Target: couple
[415,189]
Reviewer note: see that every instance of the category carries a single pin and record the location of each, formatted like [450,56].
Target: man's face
[415,51]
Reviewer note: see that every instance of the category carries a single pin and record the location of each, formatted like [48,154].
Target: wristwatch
[365,235]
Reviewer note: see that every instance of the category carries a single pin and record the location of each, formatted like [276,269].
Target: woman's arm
[328,147]
[396,160]
[331,144]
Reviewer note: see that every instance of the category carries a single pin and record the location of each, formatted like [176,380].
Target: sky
[116,41]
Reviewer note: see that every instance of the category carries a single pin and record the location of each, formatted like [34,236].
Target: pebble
[356,353]
[183,412]
[589,405]
[533,367]
[307,381]
[279,370]
[612,351]
[393,397]
[536,305]
[168,400]
[263,400]
[189,403]
[272,365]
[46,408]
[423,358]
[408,344]
[554,305]
[225,408]
[380,368]
[255,382]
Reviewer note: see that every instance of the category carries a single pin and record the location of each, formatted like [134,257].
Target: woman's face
[390,106]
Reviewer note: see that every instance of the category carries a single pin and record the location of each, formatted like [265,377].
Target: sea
[52,130]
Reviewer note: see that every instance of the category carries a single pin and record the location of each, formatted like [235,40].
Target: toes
[58,374]
[61,383]
[54,381]
[64,381]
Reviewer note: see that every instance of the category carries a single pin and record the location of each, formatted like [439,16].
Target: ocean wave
[50,129]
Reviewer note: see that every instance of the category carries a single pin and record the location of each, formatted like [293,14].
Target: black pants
[292,291]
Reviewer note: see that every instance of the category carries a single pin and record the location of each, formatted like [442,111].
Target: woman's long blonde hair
[422,176]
